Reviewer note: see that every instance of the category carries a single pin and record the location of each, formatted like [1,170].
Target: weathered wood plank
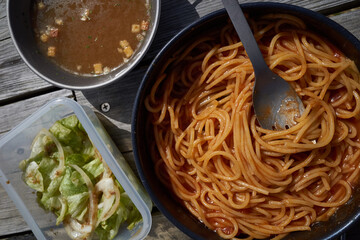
[16,78]
[13,114]
[163,229]
[349,20]
[21,236]
[8,52]
[10,218]
[4,30]
[2,9]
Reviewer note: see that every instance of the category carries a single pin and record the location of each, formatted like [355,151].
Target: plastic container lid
[15,147]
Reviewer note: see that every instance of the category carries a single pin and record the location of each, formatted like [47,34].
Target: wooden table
[22,92]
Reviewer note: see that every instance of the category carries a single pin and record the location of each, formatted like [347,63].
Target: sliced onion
[90,186]
[105,205]
[36,139]
[77,230]
[80,228]
[74,227]
[62,211]
[100,205]
[114,206]
[71,232]
[107,187]
[107,172]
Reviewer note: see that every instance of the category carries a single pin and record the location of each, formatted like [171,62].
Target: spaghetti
[239,179]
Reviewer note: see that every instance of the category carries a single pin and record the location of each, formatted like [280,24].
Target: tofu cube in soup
[79,37]
[44,37]
[124,44]
[98,69]
[135,28]
[139,37]
[51,51]
[128,51]
[106,70]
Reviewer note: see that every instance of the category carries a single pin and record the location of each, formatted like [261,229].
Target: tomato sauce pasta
[239,179]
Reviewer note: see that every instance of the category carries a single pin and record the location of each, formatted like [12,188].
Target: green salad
[73,181]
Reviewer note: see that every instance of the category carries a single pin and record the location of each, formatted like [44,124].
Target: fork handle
[246,36]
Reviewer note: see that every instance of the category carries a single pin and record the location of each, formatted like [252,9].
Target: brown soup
[90,36]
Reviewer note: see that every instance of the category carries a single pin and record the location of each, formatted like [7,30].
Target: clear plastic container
[15,146]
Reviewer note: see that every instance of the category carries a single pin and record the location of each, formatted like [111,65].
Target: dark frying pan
[345,217]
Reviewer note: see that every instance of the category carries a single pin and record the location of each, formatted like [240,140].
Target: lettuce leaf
[88,148]
[46,167]
[66,136]
[109,228]
[24,163]
[77,203]
[53,188]
[81,216]
[33,177]
[39,144]
[70,122]
[94,168]
[125,212]
[77,159]
[62,213]
[62,133]
[72,183]
[134,216]
[49,202]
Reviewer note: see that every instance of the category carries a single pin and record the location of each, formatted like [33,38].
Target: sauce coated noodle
[233,175]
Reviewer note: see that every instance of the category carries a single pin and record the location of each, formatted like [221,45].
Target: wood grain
[16,78]
[349,20]
[162,229]
[2,9]
[13,114]
[4,30]
[10,218]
